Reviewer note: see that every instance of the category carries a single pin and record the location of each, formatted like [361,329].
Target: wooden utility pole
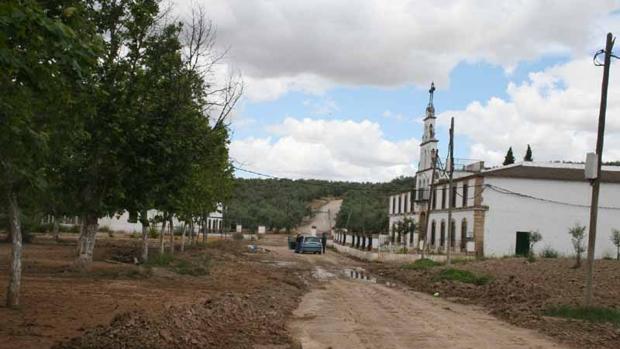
[451,199]
[596,182]
[431,196]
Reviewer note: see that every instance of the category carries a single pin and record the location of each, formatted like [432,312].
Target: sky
[336,89]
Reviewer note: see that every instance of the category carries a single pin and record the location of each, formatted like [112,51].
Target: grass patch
[420,264]
[160,260]
[460,260]
[591,314]
[464,276]
[195,266]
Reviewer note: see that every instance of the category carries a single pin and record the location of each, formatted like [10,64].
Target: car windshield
[311,239]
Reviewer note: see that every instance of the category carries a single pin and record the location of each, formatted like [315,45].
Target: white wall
[508,214]
[121,222]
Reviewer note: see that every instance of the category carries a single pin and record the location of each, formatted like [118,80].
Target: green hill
[282,203]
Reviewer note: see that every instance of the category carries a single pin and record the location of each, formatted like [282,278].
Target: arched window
[442,236]
[433,230]
[463,234]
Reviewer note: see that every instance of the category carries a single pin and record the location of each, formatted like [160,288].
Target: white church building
[494,209]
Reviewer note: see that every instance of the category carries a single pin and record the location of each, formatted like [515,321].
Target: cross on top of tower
[431,92]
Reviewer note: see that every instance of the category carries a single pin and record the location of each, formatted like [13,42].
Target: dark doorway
[523,243]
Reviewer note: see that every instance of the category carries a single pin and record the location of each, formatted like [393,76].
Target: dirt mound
[229,321]
[521,291]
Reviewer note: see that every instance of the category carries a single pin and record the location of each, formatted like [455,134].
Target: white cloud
[284,45]
[328,149]
[556,111]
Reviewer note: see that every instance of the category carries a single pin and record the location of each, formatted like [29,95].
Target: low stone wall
[375,256]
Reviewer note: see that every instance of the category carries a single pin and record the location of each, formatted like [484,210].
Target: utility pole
[431,197]
[596,182]
[451,199]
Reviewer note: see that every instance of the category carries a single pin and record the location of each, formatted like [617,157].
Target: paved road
[345,312]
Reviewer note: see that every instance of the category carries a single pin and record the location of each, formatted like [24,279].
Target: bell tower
[428,148]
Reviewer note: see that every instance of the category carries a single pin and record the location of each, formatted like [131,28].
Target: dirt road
[350,309]
[324,217]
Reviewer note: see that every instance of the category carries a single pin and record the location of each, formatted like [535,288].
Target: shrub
[591,314]
[237,236]
[420,264]
[549,252]
[577,235]
[104,229]
[160,260]
[74,229]
[464,276]
[534,238]
[153,233]
[615,239]
[135,235]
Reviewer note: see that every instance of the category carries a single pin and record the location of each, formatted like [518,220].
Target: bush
[549,252]
[591,314]
[464,276]
[237,236]
[153,233]
[74,229]
[420,264]
[104,229]
[160,260]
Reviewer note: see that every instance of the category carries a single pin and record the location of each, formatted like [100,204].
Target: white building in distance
[493,210]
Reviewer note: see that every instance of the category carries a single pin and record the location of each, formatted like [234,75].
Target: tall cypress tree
[528,154]
[509,159]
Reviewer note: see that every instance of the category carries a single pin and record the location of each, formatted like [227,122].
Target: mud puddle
[364,276]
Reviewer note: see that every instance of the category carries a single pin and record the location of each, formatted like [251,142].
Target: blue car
[310,244]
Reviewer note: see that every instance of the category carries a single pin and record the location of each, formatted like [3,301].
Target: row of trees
[106,106]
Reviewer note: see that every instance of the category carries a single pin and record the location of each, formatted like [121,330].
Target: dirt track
[344,312]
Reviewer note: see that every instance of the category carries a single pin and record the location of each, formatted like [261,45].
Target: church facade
[494,209]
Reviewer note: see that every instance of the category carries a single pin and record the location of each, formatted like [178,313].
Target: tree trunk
[618,253]
[56,229]
[15,264]
[171,229]
[145,236]
[204,230]
[578,262]
[183,237]
[161,236]
[86,241]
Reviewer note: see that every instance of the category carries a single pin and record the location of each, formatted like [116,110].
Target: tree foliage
[528,154]
[577,235]
[283,203]
[510,158]
[106,107]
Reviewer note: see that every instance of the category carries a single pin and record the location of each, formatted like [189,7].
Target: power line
[531,197]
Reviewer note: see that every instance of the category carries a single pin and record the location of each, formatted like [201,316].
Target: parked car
[310,244]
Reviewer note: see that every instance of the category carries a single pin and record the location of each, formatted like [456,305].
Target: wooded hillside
[282,203]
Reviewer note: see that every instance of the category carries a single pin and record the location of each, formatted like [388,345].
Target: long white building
[495,209]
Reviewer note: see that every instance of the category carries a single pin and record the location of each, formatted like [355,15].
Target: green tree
[94,173]
[615,238]
[509,159]
[528,154]
[42,62]
[578,234]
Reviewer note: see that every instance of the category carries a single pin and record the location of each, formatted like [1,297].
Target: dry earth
[278,299]
[244,300]
[521,291]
